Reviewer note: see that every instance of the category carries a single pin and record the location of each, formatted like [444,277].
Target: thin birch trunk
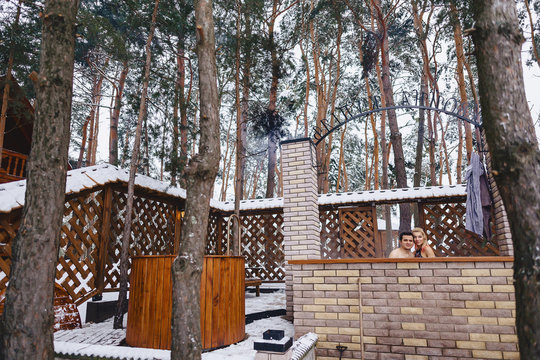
[126,235]
[113,133]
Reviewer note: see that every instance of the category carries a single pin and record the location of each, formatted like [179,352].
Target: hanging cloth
[474,217]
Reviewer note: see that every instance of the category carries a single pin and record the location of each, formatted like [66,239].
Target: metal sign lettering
[468,112]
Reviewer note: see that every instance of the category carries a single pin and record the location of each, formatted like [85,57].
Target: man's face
[407,242]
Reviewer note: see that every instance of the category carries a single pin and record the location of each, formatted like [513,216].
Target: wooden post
[219,233]
[104,237]
[177,229]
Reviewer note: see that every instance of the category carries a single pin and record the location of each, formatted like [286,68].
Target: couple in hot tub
[408,240]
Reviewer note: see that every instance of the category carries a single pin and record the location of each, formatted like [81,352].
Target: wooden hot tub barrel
[150,301]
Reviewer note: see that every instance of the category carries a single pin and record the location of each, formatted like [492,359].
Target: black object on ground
[264,314]
[273,345]
[273,334]
[100,311]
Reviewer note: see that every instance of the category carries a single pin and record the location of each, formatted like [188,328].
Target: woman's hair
[420,230]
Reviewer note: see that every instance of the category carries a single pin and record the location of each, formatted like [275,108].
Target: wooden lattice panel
[216,239]
[330,242]
[358,233]
[152,232]
[153,227]
[444,225]
[79,242]
[262,246]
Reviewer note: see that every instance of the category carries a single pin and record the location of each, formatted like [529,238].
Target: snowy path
[102,340]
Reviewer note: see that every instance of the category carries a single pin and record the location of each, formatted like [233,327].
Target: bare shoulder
[429,251]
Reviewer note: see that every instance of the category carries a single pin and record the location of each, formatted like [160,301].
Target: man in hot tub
[406,243]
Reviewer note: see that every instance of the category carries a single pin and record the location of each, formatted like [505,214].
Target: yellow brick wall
[422,310]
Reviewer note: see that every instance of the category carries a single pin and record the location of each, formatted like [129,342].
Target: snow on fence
[95,209]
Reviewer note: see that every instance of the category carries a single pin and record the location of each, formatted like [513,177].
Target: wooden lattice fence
[90,240]
[444,224]
[91,235]
[349,232]
[262,245]
[330,241]
[9,224]
[262,242]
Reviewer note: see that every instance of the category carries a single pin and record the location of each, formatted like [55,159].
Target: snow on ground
[244,349]
[102,340]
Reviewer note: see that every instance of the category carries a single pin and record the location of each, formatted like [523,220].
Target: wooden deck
[104,334]
[96,334]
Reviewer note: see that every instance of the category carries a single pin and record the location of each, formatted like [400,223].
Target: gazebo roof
[12,194]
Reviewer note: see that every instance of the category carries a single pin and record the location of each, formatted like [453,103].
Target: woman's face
[418,238]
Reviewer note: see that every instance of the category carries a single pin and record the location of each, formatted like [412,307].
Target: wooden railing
[13,165]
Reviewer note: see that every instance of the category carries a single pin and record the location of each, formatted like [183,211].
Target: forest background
[283,67]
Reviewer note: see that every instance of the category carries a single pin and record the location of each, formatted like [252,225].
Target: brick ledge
[411,260]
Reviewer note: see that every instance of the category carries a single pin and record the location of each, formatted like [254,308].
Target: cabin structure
[326,248]
[18,133]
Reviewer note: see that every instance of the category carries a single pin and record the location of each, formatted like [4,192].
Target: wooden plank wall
[222,302]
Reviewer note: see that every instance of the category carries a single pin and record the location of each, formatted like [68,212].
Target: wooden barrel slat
[167,304]
[206,316]
[150,303]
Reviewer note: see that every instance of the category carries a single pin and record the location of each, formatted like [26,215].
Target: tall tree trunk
[515,156]
[162,151]
[272,105]
[458,40]
[126,234]
[175,120]
[146,158]
[5,96]
[242,108]
[94,120]
[332,95]
[113,134]
[531,26]
[179,142]
[272,158]
[384,173]
[420,144]
[93,150]
[83,141]
[27,322]
[200,176]
[125,148]
[184,103]
[395,135]
[373,121]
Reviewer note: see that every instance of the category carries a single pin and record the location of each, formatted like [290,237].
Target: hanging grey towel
[474,221]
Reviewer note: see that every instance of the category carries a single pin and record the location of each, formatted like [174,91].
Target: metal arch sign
[437,103]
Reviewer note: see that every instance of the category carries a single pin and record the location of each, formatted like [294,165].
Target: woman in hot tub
[421,246]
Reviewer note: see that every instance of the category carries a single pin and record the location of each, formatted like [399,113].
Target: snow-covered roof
[393,194]
[253,204]
[12,194]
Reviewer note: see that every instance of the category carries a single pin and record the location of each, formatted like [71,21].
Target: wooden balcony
[13,166]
